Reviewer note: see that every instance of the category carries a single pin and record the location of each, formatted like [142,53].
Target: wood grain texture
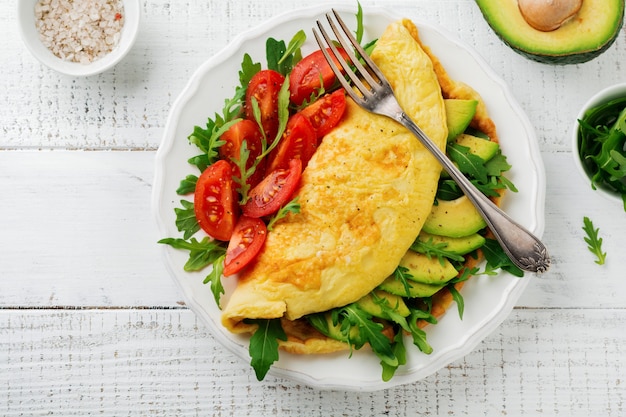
[82,234]
[163,363]
[91,323]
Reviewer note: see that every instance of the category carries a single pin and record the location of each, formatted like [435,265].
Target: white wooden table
[91,323]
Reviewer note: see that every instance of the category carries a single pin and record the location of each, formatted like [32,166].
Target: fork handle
[524,249]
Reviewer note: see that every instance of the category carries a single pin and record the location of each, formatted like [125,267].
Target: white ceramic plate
[488,300]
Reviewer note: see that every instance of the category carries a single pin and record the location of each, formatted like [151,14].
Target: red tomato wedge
[264,86]
[274,191]
[248,131]
[298,142]
[305,76]
[215,201]
[245,243]
[326,112]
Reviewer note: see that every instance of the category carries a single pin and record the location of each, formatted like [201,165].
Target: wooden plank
[128,106]
[99,246]
[163,363]
[82,230]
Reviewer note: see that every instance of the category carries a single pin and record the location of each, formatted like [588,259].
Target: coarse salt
[82,30]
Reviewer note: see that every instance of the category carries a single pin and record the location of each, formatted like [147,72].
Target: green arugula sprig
[601,140]
[593,241]
[264,345]
[202,254]
[401,273]
[488,176]
[432,249]
[291,207]
[497,259]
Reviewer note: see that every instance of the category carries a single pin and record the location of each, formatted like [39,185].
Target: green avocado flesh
[459,114]
[583,37]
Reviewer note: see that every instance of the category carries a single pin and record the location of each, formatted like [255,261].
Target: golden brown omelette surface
[364,197]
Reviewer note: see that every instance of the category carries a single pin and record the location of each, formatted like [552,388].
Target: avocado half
[580,39]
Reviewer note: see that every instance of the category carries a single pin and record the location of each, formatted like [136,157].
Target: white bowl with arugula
[488,298]
[598,141]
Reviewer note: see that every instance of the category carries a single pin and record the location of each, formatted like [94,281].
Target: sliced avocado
[416,289]
[584,36]
[427,270]
[373,303]
[454,218]
[459,114]
[455,245]
[484,149]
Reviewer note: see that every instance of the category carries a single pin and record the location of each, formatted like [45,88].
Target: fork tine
[333,62]
[348,48]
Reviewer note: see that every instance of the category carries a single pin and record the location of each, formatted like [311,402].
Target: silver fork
[370,90]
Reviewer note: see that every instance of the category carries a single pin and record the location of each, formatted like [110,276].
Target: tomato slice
[245,243]
[215,201]
[305,76]
[274,191]
[326,112]
[299,141]
[264,86]
[248,131]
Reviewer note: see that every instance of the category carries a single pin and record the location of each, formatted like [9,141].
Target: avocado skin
[555,57]
[568,59]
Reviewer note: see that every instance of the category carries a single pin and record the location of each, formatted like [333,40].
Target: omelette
[364,197]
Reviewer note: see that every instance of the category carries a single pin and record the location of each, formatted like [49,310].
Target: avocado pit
[548,15]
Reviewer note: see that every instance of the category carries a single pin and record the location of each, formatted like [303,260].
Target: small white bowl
[30,36]
[606,95]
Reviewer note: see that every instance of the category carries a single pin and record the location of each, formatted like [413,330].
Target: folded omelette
[364,197]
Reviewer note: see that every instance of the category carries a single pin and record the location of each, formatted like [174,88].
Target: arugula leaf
[200,161]
[401,273]
[208,139]
[371,332]
[430,249]
[291,207]
[188,185]
[275,50]
[419,335]
[282,58]
[594,242]
[468,163]
[497,259]
[244,173]
[400,352]
[389,311]
[497,165]
[359,24]
[215,279]
[283,117]
[201,253]
[264,345]
[248,69]
[186,221]
[458,298]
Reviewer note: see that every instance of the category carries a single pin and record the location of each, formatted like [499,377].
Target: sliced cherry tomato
[215,201]
[299,141]
[264,86]
[248,131]
[305,76]
[326,112]
[274,191]
[245,243]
